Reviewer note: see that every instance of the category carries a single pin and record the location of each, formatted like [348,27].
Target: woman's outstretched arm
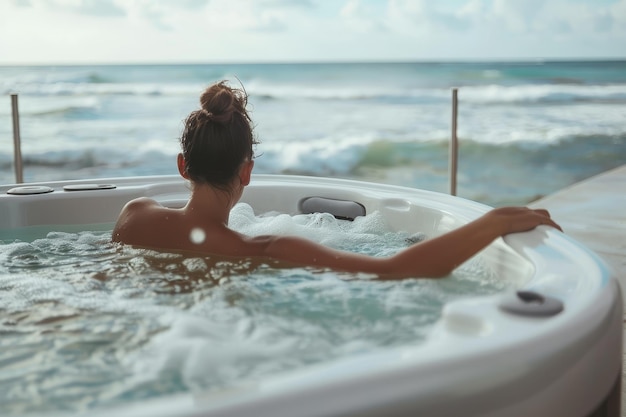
[433,258]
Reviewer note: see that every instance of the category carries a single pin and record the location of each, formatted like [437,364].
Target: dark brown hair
[218,137]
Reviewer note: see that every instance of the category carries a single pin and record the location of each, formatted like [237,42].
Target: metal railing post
[454,144]
[17,147]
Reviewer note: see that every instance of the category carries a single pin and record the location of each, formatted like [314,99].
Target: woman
[217,149]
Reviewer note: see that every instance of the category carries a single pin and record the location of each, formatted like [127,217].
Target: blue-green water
[526,129]
[87,324]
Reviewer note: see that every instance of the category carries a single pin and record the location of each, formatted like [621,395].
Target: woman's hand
[520,219]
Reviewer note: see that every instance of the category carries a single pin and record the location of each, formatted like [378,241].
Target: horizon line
[322,62]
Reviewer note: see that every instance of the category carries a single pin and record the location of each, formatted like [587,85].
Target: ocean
[525,129]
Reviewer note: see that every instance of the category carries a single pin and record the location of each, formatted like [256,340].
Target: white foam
[368,233]
[497,94]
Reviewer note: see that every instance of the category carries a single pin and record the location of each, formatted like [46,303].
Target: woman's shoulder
[133,218]
[141,203]
[140,208]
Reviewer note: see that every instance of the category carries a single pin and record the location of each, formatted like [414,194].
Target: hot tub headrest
[341,209]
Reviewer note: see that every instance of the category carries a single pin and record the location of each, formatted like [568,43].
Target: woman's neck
[210,203]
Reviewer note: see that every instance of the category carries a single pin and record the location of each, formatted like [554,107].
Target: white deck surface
[594,213]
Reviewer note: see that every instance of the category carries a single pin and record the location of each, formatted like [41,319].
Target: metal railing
[453,153]
[17,145]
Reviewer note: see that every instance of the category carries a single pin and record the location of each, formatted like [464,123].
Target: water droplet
[197,236]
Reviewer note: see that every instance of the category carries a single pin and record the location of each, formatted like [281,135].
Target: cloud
[528,18]
[308,30]
[267,16]
[267,22]
[423,17]
[165,15]
[618,13]
[154,11]
[361,18]
[156,15]
[518,16]
[306,4]
[191,4]
[22,3]
[101,8]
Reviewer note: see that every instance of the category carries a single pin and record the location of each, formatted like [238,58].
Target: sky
[199,31]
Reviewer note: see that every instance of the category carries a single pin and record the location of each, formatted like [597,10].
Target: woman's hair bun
[218,137]
[219,102]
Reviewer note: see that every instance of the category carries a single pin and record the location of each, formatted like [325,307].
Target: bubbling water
[86,323]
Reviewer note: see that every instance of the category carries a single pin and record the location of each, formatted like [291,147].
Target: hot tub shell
[479,360]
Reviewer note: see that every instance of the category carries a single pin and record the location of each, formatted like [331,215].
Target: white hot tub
[552,347]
